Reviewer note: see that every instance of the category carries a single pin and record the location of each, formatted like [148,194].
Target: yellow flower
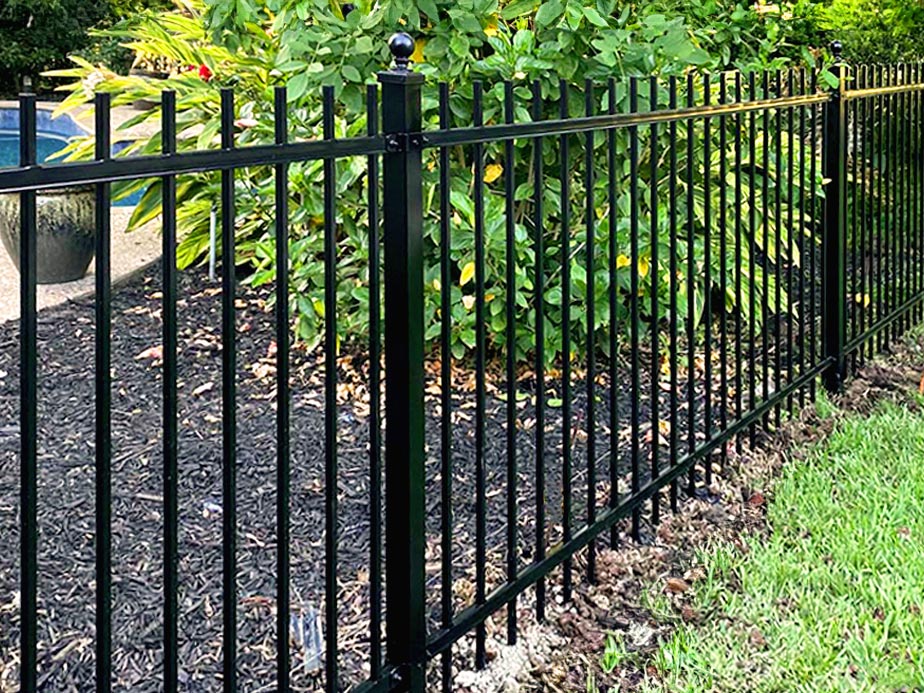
[863,299]
[467,273]
[492,172]
[491,28]
[643,266]
[622,261]
[418,55]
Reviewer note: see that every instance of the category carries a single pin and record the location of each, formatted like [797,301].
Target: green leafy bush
[309,45]
[877,31]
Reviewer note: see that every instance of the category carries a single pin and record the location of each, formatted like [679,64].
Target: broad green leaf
[548,12]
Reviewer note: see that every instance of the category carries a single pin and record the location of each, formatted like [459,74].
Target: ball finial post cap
[837,50]
[402,47]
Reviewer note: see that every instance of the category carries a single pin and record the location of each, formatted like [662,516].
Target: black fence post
[406,634]
[833,289]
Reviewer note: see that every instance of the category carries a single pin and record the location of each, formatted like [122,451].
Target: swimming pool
[53,136]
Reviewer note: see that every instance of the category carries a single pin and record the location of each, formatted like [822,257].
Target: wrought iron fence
[756,233]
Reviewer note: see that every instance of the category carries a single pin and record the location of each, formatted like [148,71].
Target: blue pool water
[53,135]
[9,147]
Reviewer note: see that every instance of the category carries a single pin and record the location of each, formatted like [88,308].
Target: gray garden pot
[66,223]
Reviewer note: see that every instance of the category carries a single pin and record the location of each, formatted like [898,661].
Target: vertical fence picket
[723,265]
[511,354]
[765,215]
[331,461]
[564,144]
[777,247]
[283,396]
[633,302]
[103,369]
[28,405]
[613,295]
[855,293]
[805,249]
[861,125]
[481,509]
[674,284]
[654,274]
[752,252]
[446,459]
[228,404]
[905,194]
[170,413]
[739,262]
[790,241]
[918,212]
[590,308]
[539,283]
[707,276]
[691,282]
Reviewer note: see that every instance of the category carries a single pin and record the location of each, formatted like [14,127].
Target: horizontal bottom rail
[474,616]
[883,324]
[388,681]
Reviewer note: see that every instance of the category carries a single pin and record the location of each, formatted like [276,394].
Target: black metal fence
[773,236]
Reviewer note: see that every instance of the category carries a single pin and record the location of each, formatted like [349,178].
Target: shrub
[877,31]
[311,44]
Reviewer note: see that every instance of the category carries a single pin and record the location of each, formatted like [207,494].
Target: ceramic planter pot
[66,226]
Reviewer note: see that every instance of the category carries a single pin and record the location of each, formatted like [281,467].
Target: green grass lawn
[833,599]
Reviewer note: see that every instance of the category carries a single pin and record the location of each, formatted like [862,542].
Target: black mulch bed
[66,492]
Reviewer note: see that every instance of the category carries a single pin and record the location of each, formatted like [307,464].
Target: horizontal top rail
[494,133]
[882,91]
[47,176]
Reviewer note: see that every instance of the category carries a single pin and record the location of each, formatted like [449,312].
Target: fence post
[833,289]
[406,635]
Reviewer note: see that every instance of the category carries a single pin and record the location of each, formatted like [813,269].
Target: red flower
[205,73]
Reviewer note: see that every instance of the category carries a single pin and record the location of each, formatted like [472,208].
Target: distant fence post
[833,289]
[405,597]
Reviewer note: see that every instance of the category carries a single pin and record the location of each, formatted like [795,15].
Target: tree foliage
[877,31]
[37,35]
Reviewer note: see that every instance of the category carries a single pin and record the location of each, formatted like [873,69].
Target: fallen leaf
[202,389]
[263,370]
[155,352]
[694,574]
[677,585]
